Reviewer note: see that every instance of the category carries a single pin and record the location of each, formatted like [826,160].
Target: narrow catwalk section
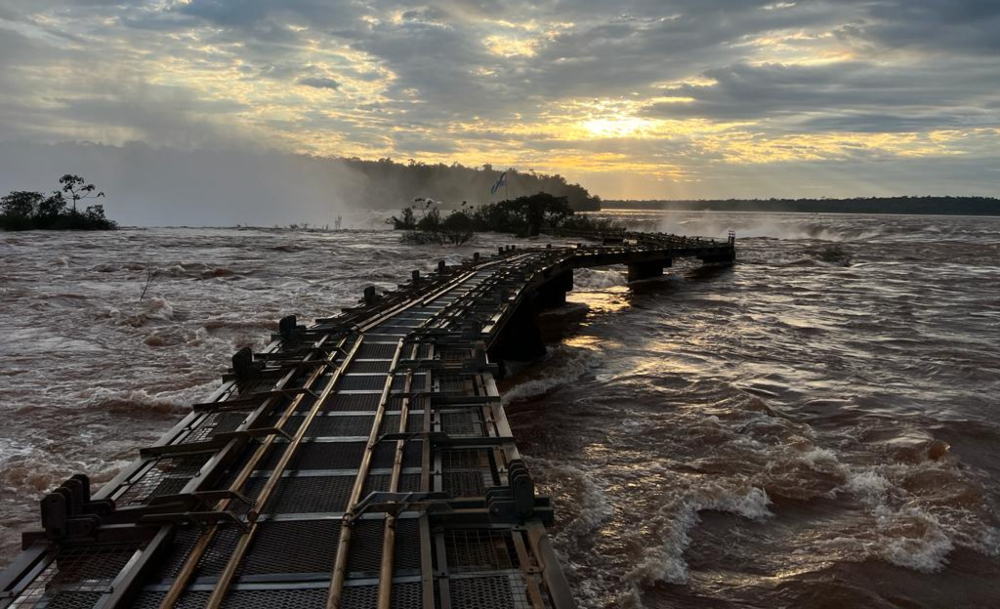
[364,461]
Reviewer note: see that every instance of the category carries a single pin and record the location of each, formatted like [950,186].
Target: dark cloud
[261,15]
[445,80]
[319,82]
[948,26]
[848,96]
[883,123]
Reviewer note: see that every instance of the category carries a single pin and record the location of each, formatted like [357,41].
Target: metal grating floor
[306,494]
[470,550]
[499,592]
[296,546]
[75,576]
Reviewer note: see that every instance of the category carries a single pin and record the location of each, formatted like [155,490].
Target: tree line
[389,180]
[28,210]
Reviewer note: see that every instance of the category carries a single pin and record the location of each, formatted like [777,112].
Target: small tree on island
[77,189]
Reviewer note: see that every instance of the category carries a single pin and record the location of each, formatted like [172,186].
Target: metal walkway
[361,462]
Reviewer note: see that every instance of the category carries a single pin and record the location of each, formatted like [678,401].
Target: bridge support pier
[646,270]
[522,339]
[552,294]
[727,258]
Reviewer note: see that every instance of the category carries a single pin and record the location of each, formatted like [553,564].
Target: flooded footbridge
[363,461]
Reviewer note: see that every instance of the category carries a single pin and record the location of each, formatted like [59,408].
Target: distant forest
[958,206]
[452,184]
[167,187]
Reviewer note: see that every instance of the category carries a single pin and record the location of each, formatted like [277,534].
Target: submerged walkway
[364,461]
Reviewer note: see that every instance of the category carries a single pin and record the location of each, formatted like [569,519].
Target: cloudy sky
[633,98]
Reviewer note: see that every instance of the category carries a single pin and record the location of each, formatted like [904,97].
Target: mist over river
[815,427]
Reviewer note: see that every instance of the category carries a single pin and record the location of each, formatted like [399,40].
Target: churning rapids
[816,426]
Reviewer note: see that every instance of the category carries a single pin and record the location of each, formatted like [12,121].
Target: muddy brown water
[815,427]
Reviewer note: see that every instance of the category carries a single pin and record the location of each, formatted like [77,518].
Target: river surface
[818,426]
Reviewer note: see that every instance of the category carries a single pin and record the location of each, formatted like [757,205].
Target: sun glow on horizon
[561,90]
[618,126]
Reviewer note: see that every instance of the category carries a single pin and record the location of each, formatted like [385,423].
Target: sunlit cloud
[669,92]
[510,46]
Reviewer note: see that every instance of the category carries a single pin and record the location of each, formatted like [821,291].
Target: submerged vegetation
[28,210]
[523,216]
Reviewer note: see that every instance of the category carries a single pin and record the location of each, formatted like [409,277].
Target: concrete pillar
[646,270]
[552,293]
[521,340]
[727,257]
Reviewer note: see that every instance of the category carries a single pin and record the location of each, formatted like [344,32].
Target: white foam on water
[816,456]
[922,544]
[869,486]
[142,402]
[664,562]
[574,365]
[784,227]
[152,307]
[909,530]
[590,509]
[593,503]
[597,279]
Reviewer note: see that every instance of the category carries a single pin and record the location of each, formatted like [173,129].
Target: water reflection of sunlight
[610,300]
[590,343]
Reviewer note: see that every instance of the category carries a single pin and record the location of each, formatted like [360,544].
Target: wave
[192,270]
[240,324]
[906,503]
[109,267]
[591,505]
[149,309]
[597,279]
[830,257]
[139,402]
[665,562]
[917,528]
[764,226]
[288,248]
[919,505]
[560,367]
